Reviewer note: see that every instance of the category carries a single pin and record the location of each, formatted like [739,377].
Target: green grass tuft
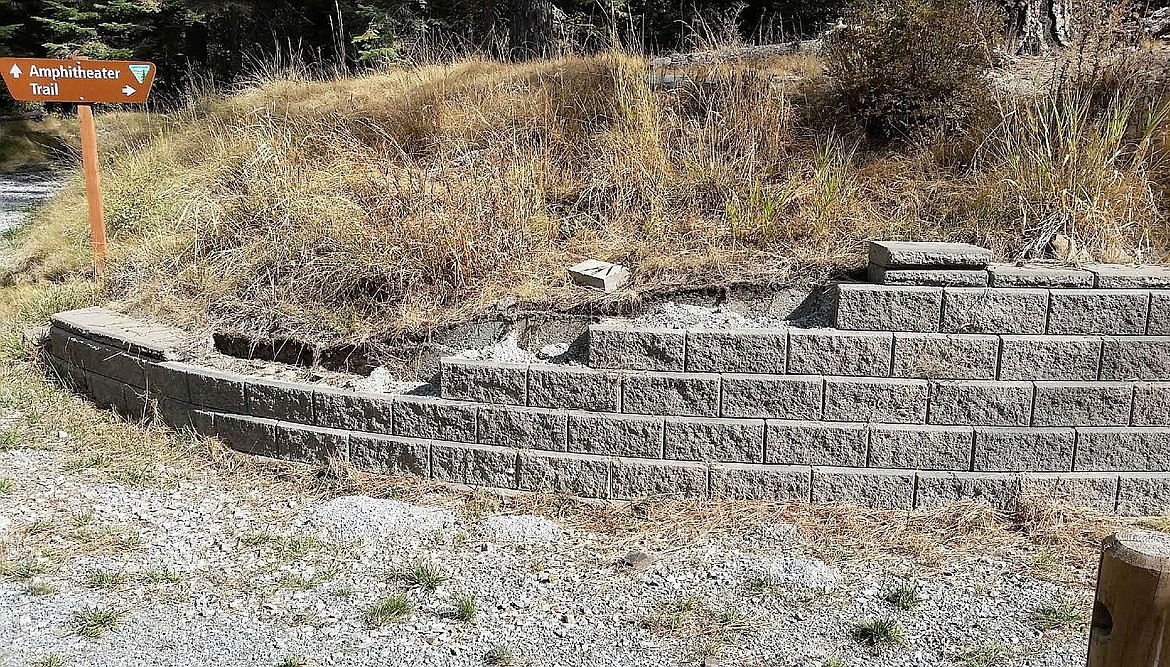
[499,656]
[904,596]
[95,621]
[424,576]
[465,609]
[388,610]
[879,633]
[1059,616]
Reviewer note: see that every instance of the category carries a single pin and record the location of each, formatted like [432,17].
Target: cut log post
[1131,615]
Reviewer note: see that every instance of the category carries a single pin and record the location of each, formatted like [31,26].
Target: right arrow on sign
[128,91]
[15,72]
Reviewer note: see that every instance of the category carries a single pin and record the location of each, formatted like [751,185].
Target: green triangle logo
[139,72]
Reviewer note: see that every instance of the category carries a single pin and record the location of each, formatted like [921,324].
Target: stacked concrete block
[1123,449]
[816,443]
[1082,404]
[747,482]
[1049,358]
[838,352]
[887,400]
[774,396]
[570,474]
[737,351]
[484,381]
[535,428]
[867,487]
[638,479]
[1034,275]
[945,356]
[1099,312]
[914,447]
[1159,322]
[1151,404]
[637,348]
[390,455]
[980,403]
[724,440]
[573,388]
[434,419]
[1135,358]
[881,308]
[936,489]
[1125,276]
[994,310]
[638,436]
[1000,449]
[917,263]
[1143,494]
[682,394]
[343,409]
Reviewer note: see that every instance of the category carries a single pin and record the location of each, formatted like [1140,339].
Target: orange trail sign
[78,81]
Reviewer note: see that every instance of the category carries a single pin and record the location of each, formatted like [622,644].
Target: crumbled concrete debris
[673,315]
[519,529]
[789,572]
[506,350]
[382,381]
[552,351]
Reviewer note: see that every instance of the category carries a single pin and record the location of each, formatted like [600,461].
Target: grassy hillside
[356,208]
[34,144]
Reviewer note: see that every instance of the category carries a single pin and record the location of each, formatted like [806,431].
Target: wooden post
[93,188]
[1131,615]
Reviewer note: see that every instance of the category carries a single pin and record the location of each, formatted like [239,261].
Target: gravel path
[20,192]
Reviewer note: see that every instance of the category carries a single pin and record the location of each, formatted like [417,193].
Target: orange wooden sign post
[83,82]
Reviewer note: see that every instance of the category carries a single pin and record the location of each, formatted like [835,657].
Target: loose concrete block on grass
[484,381]
[1125,276]
[1123,449]
[773,396]
[312,445]
[839,352]
[999,449]
[1098,312]
[349,410]
[866,487]
[1159,324]
[893,401]
[1151,404]
[839,444]
[937,489]
[1082,404]
[927,254]
[475,465]
[250,435]
[616,435]
[286,401]
[1135,358]
[918,447]
[574,388]
[434,419]
[1143,494]
[525,428]
[640,479]
[880,275]
[600,275]
[884,308]
[637,348]
[980,403]
[744,482]
[388,455]
[737,351]
[1007,275]
[1049,357]
[728,440]
[994,310]
[1094,490]
[679,394]
[945,356]
[573,474]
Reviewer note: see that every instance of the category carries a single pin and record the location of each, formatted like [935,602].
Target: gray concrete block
[641,479]
[894,401]
[737,351]
[105,392]
[1145,494]
[994,310]
[1123,449]
[816,443]
[286,401]
[938,489]
[250,435]
[838,352]
[1049,358]
[945,356]
[108,361]
[927,254]
[1128,276]
[616,435]
[776,396]
[574,388]
[135,404]
[474,465]
[1098,312]
[883,308]
[999,449]
[112,328]
[918,447]
[59,343]
[315,446]
[1159,324]
[388,455]
[434,419]
[165,378]
[637,348]
[175,414]
[1007,275]
[1135,358]
[980,403]
[67,375]
[213,389]
[1082,404]
[523,428]
[571,474]
[1151,404]
[202,422]
[1094,490]
[880,275]
[601,275]
[728,440]
[866,487]
[748,482]
[683,394]
[484,381]
[353,411]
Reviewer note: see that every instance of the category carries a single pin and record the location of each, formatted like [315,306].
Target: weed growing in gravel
[286,548]
[501,656]
[7,485]
[691,617]
[38,527]
[305,618]
[423,576]
[304,582]
[480,504]
[294,661]
[834,661]
[108,540]
[343,593]
[24,570]
[1063,615]
[137,476]
[83,518]
[40,588]
[258,538]
[465,609]
[51,660]
[388,610]
[904,596]
[86,462]
[159,577]
[95,621]
[104,579]
[9,440]
[991,654]
[879,633]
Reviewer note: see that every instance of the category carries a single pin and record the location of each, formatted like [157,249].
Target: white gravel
[673,315]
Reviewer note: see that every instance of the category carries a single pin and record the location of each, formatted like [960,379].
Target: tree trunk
[1038,26]
[531,27]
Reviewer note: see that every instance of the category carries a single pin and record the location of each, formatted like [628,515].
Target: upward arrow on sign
[15,71]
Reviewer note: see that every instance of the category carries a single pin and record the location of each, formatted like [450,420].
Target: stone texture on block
[774,396]
[215,390]
[1145,494]
[1082,404]
[683,394]
[128,333]
[250,435]
[474,465]
[574,388]
[175,414]
[1094,312]
[353,411]
[484,381]
[746,482]
[917,447]
[1151,404]
[893,401]
[927,254]
[523,428]
[945,356]
[727,440]
[572,474]
[135,403]
[1128,276]
[105,392]
[637,348]
[601,275]
[1096,490]
[880,275]
[980,403]
[388,455]
[867,487]
[1159,324]
[312,445]
[166,378]
[936,489]
[59,343]
[885,308]
[840,352]
[109,361]
[202,422]
[1049,358]
[1007,275]
[737,351]
[1123,449]
[999,449]
[839,444]
[616,435]
[994,310]
[286,401]
[1135,358]
[434,419]
[639,479]
[69,376]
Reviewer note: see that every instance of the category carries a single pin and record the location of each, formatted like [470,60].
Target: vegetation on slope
[35,144]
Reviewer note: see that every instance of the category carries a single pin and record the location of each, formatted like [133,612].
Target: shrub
[902,67]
